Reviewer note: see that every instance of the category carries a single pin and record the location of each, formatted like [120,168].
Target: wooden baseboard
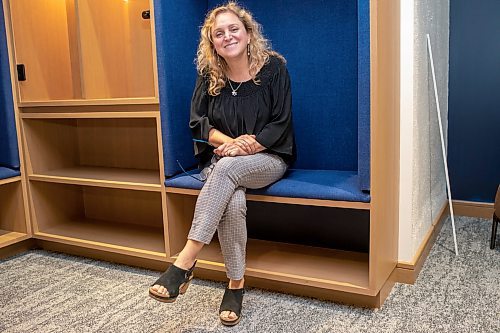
[473,209]
[16,248]
[306,291]
[103,255]
[407,272]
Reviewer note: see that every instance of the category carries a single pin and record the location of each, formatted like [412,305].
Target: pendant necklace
[234,92]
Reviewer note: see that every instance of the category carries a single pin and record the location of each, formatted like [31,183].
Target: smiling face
[229,36]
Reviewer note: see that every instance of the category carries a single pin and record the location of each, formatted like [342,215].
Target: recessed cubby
[12,218]
[110,152]
[83,50]
[273,259]
[115,220]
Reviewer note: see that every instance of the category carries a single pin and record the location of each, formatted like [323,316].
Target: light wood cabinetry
[90,123]
[83,50]
[91,134]
[95,179]
[113,220]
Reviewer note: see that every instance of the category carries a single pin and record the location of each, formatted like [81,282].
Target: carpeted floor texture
[50,292]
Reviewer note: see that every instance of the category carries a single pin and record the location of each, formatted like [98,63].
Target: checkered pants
[221,204]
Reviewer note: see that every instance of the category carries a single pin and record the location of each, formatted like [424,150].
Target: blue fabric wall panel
[474,100]
[364,94]
[319,41]
[9,155]
[177,33]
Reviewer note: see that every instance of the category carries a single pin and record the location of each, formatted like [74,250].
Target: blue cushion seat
[297,183]
[8,173]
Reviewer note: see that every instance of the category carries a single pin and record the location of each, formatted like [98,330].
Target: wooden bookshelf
[115,220]
[121,152]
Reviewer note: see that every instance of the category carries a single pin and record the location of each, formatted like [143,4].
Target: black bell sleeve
[199,124]
[277,134]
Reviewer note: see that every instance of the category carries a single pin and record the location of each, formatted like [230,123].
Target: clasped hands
[240,146]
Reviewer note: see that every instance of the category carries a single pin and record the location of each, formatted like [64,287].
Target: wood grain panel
[384,48]
[12,218]
[41,43]
[50,144]
[116,51]
[124,206]
[121,143]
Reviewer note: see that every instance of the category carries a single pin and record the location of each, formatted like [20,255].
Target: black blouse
[263,110]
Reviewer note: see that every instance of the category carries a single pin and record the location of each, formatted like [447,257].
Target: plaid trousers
[221,204]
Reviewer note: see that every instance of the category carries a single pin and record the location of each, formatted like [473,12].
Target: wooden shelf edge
[13,238]
[97,183]
[77,102]
[91,115]
[10,180]
[285,200]
[100,246]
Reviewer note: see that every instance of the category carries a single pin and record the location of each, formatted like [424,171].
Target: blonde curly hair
[209,64]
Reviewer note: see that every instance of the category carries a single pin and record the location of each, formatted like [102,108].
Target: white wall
[422,179]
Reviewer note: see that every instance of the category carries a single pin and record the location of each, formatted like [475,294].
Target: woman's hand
[242,145]
[230,149]
[249,144]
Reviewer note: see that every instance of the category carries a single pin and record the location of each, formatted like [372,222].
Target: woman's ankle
[184,263]
[187,256]
[236,284]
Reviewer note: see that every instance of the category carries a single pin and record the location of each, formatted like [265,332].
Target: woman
[241,105]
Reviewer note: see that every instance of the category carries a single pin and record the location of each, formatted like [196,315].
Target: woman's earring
[248,50]
[218,60]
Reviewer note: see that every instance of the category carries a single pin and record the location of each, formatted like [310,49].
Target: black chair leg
[494,231]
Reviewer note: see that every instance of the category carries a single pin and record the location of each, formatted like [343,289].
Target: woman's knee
[238,204]
[226,167]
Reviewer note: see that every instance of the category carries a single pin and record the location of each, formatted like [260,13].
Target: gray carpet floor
[51,292]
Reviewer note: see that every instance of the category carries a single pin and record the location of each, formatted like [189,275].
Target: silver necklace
[234,91]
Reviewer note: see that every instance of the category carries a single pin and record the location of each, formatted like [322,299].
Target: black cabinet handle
[146,14]
[21,72]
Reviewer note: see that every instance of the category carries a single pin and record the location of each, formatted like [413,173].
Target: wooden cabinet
[83,50]
[90,124]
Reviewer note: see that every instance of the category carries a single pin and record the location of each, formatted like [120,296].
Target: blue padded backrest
[177,28]
[364,94]
[320,41]
[9,155]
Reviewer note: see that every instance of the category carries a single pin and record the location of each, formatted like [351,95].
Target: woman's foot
[230,309]
[159,289]
[174,282]
[184,262]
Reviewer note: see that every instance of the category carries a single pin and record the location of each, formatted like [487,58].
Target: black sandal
[232,301]
[176,280]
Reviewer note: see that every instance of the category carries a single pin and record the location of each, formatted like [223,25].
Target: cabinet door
[116,49]
[42,34]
